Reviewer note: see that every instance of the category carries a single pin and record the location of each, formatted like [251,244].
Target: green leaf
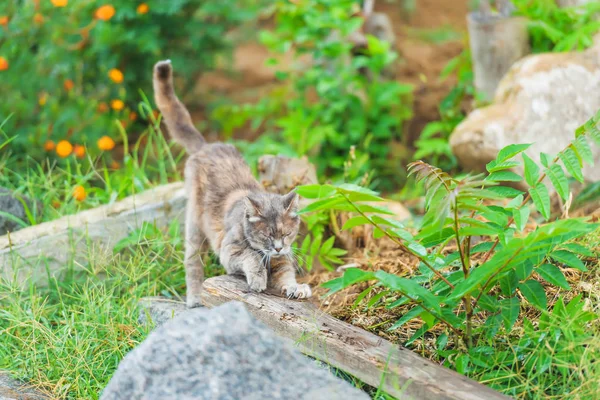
[488,303]
[408,287]
[559,180]
[509,283]
[493,166]
[568,258]
[505,191]
[315,191]
[351,277]
[510,309]
[521,216]
[511,150]
[418,249]
[327,246]
[504,176]
[545,159]
[532,171]
[572,163]
[323,204]
[541,199]
[409,316]
[584,150]
[534,293]
[553,275]
[354,222]
[578,249]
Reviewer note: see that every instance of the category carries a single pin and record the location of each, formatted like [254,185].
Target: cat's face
[271,223]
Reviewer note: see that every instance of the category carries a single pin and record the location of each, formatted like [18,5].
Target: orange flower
[105,12]
[38,18]
[132,116]
[79,151]
[60,3]
[64,148]
[42,98]
[105,143]
[114,165]
[49,145]
[68,85]
[55,203]
[115,75]
[143,8]
[3,20]
[3,64]
[117,104]
[79,193]
[102,107]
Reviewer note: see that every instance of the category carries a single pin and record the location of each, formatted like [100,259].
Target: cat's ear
[290,203]
[253,208]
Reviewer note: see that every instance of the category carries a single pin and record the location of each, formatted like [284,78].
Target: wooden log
[496,44]
[368,357]
[46,249]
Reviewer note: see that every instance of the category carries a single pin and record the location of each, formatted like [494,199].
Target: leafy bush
[333,99]
[480,280]
[71,68]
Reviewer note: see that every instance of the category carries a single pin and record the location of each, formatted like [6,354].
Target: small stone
[12,389]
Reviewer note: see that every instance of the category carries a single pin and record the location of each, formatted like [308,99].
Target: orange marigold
[49,145]
[42,98]
[79,193]
[117,104]
[3,20]
[79,151]
[132,116]
[60,3]
[143,8]
[3,64]
[115,165]
[115,75]
[64,148]
[38,18]
[102,107]
[105,12]
[105,143]
[69,84]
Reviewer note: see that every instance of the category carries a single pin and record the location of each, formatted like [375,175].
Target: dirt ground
[421,60]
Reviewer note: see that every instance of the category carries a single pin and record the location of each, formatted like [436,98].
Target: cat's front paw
[297,291]
[257,282]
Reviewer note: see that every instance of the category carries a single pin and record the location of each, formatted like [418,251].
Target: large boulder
[220,354]
[541,100]
[12,204]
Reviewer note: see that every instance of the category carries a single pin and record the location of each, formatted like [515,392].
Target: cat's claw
[297,291]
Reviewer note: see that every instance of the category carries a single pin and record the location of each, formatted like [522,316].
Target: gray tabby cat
[248,228]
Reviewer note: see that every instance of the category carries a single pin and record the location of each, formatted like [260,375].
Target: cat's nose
[277,249]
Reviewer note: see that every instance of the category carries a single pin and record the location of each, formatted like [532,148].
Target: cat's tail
[175,115]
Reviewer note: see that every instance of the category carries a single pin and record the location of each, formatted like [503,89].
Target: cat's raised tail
[175,115]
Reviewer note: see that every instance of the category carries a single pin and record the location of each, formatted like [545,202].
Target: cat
[249,229]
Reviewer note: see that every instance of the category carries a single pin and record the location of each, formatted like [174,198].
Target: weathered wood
[496,44]
[368,357]
[49,247]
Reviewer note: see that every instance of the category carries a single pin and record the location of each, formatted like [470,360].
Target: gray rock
[11,389]
[10,203]
[221,354]
[541,100]
[158,310]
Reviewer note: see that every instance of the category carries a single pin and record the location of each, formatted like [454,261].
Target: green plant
[72,69]
[554,28]
[150,161]
[332,99]
[483,280]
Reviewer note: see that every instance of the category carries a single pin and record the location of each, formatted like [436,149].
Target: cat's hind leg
[194,250]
